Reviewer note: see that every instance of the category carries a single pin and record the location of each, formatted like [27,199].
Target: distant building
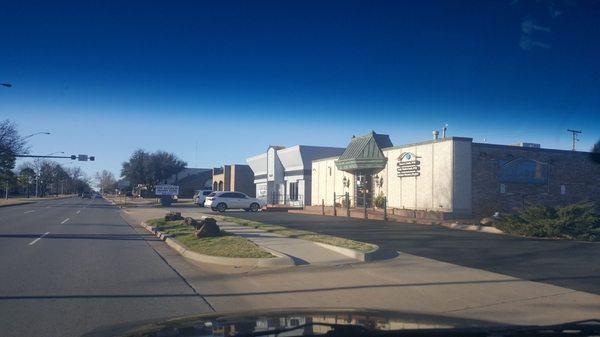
[190,180]
[233,178]
[453,177]
[283,175]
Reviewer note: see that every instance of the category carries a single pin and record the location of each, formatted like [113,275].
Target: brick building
[453,177]
[234,177]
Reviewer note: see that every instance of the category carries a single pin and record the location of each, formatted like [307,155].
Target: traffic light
[92,158]
[82,157]
[73,157]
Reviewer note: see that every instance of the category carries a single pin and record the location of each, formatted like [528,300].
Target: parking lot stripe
[38,239]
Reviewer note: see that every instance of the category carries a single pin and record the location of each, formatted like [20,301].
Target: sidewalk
[407,283]
[302,251]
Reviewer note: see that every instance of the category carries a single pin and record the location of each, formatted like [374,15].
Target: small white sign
[166,190]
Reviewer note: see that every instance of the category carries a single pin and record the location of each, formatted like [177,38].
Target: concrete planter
[355,254]
[280,260]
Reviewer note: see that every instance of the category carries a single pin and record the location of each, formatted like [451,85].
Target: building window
[502,188]
[294,191]
[523,171]
[563,189]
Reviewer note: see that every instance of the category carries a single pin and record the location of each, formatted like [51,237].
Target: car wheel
[212,208]
[254,207]
[221,207]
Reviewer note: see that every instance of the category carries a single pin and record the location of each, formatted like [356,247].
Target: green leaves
[576,221]
[149,169]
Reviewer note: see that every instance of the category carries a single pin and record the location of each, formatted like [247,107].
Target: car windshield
[390,164]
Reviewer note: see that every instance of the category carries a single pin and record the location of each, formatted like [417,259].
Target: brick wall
[579,175]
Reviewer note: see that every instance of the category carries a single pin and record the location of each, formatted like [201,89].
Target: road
[72,265]
[564,263]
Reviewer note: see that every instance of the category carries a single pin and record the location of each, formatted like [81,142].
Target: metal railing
[285,199]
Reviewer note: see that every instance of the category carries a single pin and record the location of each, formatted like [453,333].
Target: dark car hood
[315,321]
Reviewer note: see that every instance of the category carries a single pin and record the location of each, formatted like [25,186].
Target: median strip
[38,239]
[362,247]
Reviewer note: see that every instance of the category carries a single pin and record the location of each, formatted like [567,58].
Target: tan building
[234,177]
[453,176]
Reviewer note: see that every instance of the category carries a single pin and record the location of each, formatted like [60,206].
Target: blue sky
[233,76]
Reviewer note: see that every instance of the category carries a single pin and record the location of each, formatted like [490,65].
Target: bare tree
[106,181]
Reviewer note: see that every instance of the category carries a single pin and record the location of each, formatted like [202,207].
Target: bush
[576,221]
[379,200]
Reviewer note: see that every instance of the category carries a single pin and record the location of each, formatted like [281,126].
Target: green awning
[364,153]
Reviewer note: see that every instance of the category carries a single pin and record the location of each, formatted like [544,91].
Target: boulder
[207,228]
[172,216]
[190,222]
[487,221]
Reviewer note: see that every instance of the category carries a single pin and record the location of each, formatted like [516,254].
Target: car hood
[295,322]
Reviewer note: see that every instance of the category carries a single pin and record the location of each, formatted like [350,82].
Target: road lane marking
[38,239]
[78,211]
[29,211]
[65,220]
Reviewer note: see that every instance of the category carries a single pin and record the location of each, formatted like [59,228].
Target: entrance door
[364,189]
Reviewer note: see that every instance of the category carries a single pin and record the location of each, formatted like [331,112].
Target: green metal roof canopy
[364,153]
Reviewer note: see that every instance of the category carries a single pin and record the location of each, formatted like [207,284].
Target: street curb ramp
[280,260]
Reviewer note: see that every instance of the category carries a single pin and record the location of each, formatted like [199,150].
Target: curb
[474,228]
[281,260]
[19,204]
[353,253]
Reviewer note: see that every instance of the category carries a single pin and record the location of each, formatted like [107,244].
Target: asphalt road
[569,264]
[72,265]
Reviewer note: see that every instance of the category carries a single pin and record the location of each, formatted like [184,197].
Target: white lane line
[38,239]
[65,220]
[78,211]
[28,211]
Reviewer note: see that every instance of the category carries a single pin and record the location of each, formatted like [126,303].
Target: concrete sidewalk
[407,283]
[302,251]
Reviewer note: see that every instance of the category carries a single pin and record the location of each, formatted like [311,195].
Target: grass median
[224,245]
[304,235]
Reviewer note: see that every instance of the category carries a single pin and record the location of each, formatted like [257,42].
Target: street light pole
[37,133]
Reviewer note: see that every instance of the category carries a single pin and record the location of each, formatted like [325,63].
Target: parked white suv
[221,201]
[200,197]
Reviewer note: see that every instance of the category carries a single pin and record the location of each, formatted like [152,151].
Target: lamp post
[35,134]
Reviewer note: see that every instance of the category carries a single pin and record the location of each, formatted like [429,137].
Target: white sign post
[166,190]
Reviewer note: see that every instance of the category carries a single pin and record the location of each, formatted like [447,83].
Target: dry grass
[225,245]
[304,235]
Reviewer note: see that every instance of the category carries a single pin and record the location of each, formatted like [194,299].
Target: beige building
[234,177]
[453,176]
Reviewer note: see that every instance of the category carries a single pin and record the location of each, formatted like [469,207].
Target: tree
[148,169]
[596,153]
[163,165]
[137,169]
[106,181]
[11,144]
[26,178]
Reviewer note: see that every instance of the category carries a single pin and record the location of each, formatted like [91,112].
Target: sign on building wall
[408,165]
[166,190]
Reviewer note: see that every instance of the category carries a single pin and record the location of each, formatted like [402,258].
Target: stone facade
[565,177]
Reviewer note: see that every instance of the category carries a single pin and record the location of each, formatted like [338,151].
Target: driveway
[564,263]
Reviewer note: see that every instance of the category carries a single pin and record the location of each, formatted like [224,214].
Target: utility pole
[575,139]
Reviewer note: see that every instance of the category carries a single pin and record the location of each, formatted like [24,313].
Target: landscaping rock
[191,222]
[173,216]
[488,221]
[207,228]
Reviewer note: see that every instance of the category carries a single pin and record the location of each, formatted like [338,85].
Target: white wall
[444,183]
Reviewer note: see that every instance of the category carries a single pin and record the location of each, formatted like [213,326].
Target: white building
[283,175]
